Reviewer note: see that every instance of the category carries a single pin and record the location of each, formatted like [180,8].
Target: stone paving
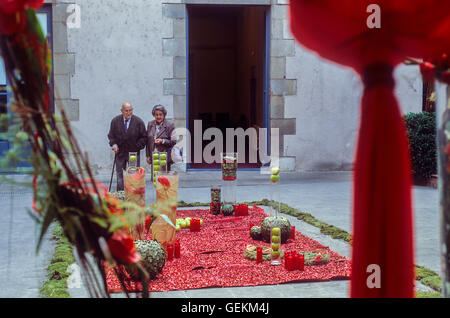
[327,196]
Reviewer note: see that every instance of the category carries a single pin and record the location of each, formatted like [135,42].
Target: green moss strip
[424,275]
[57,275]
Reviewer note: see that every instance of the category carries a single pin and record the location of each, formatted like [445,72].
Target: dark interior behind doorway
[226,70]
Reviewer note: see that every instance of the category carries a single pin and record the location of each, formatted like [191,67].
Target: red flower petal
[12,23]
[148,220]
[164,181]
[123,249]
[12,6]
[428,71]
[35,4]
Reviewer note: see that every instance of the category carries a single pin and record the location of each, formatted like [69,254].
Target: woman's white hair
[161,108]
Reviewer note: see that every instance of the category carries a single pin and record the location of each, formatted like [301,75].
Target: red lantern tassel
[382,216]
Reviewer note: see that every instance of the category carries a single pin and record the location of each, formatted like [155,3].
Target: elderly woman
[159,132]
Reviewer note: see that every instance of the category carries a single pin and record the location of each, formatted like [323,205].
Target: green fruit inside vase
[276,239]
[275,254]
[155,168]
[274,178]
[163,163]
[155,155]
[163,156]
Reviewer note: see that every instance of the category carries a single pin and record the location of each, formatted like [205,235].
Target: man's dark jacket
[131,140]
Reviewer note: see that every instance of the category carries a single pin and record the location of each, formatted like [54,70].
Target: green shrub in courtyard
[421,129]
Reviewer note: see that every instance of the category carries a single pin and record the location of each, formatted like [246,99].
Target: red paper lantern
[382,214]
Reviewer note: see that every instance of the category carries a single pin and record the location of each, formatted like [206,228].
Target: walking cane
[112,173]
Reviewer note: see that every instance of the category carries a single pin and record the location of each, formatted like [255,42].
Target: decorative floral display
[214,257]
[122,248]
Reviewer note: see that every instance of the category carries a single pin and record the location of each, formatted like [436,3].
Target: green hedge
[421,129]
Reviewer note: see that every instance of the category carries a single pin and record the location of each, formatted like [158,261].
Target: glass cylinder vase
[167,199]
[275,244]
[229,161]
[216,199]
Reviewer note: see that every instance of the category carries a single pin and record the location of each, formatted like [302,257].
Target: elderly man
[126,134]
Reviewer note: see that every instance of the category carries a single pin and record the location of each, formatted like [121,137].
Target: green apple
[201,221]
[163,156]
[156,162]
[275,239]
[276,231]
[177,227]
[275,253]
[275,171]
[133,158]
[163,163]
[275,246]
[188,223]
[274,178]
[154,183]
[155,168]
[155,155]
[188,218]
[183,223]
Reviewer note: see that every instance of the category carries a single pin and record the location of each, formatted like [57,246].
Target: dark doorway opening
[227,72]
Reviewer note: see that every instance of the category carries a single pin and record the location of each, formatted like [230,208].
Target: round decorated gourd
[227,209]
[255,233]
[153,256]
[271,222]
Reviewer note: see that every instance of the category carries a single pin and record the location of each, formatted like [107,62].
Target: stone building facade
[135,50]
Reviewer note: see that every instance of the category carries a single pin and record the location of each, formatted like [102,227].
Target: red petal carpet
[214,257]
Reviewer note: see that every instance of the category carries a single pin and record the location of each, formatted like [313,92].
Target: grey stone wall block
[282,47]
[280,12]
[287,126]
[71,107]
[174,10]
[283,87]
[179,123]
[179,28]
[277,67]
[63,63]
[174,87]
[179,106]
[60,42]
[276,29]
[179,67]
[59,13]
[62,86]
[287,30]
[174,47]
[276,107]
